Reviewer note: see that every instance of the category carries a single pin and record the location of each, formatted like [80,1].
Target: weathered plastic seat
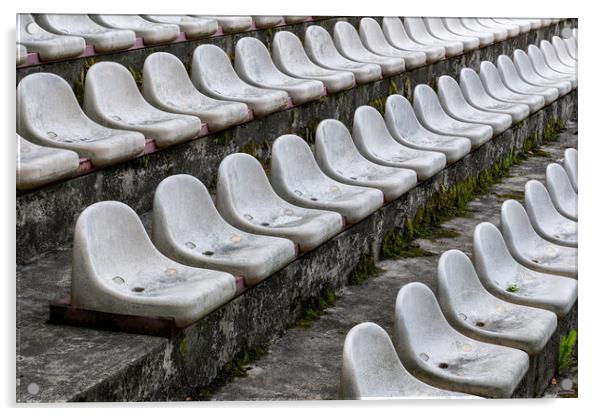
[374,40]
[47,45]
[150,32]
[511,29]
[406,129]
[338,157]
[262,22]
[374,141]
[490,77]
[525,69]
[321,49]
[515,83]
[576,33]
[509,280]
[371,369]
[49,115]
[561,191]
[432,116]
[529,249]
[117,269]
[476,313]
[296,19]
[212,73]
[571,47]
[454,25]
[103,39]
[439,355]
[167,86]
[571,167]
[535,23]
[475,94]
[232,24]
[21,54]
[297,178]
[397,36]
[436,27]
[563,53]
[350,46]
[551,58]
[254,65]
[542,68]
[567,32]
[247,201]
[112,98]
[546,219]
[417,30]
[188,229]
[454,103]
[290,57]
[193,27]
[524,26]
[39,165]
[474,25]
[546,22]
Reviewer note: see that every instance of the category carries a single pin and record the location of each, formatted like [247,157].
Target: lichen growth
[363,270]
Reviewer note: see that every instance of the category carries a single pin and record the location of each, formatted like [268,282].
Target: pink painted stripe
[85,166]
[240,284]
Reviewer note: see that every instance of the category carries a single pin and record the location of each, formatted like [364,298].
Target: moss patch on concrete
[363,270]
[326,300]
[78,85]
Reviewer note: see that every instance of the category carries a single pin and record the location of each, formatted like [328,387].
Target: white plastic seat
[513,81]
[509,280]
[297,178]
[432,116]
[524,26]
[567,32]
[247,201]
[546,219]
[232,24]
[576,33]
[374,141]
[21,54]
[525,69]
[296,19]
[571,167]
[350,46]
[338,157]
[47,45]
[188,229]
[103,39]
[49,115]
[262,22]
[454,25]
[374,40]
[551,58]
[542,68]
[511,29]
[213,74]
[371,369]
[117,269]
[476,313]
[406,129]
[167,86]
[561,191]
[454,103]
[254,65]
[563,53]
[475,94]
[474,25]
[535,23]
[546,22]
[39,165]
[321,49]
[417,30]
[571,46]
[529,249]
[397,36]
[193,27]
[150,32]
[112,98]
[436,27]
[490,77]
[439,355]
[290,57]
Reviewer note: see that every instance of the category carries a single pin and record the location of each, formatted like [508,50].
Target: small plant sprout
[512,288]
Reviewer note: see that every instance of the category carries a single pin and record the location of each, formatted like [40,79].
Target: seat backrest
[252,59]
[211,68]
[491,256]
[335,144]
[165,76]
[369,127]
[400,117]
[293,162]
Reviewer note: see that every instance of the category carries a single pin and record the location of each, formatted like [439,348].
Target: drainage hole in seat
[443,365]
[208,253]
[265,224]
[138,289]
[313,198]
[480,323]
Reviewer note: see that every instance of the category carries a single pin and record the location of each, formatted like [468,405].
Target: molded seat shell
[21,54]
[511,29]
[375,143]
[455,25]
[103,39]
[112,98]
[551,58]
[397,36]
[288,55]
[513,81]
[437,28]
[509,280]
[525,69]
[430,113]
[212,73]
[529,249]
[476,313]
[571,167]
[193,27]
[247,201]
[571,47]
[48,114]
[116,269]
[296,19]
[371,369]
[263,22]
[499,33]
[563,53]
[439,355]
[407,130]
[231,24]
[524,26]
[188,229]
[542,68]
[47,45]
[39,165]
[561,191]
[151,33]
[167,86]
[321,49]
[297,178]
[254,65]
[418,32]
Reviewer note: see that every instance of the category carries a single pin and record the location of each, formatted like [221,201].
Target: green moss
[512,288]
[406,85]
[78,85]
[379,104]
[519,196]
[392,87]
[225,138]
[137,76]
[551,129]
[363,270]
[566,351]
[316,308]
[183,346]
